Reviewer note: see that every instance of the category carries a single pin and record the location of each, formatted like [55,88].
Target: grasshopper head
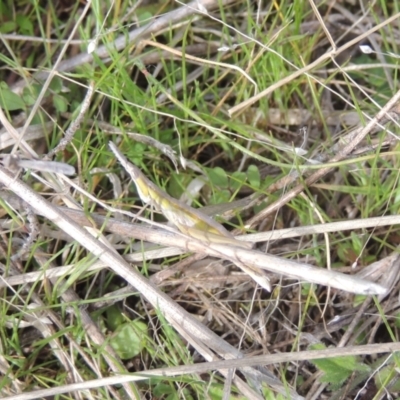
[143,190]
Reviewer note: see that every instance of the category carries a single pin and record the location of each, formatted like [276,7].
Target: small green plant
[337,369]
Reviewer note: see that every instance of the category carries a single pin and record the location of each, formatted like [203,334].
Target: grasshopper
[188,220]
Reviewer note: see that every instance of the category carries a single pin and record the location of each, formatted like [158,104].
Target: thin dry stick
[217,365]
[27,38]
[17,135]
[33,233]
[322,23]
[34,132]
[14,163]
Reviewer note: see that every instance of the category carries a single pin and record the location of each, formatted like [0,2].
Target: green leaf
[397,320]
[356,242]
[336,378]
[218,177]
[60,103]
[358,300]
[30,94]
[338,369]
[221,196]
[305,288]
[237,180]
[163,389]
[386,375]
[129,339]
[7,27]
[56,85]
[24,24]
[253,174]
[114,318]
[9,100]
[144,18]
[177,183]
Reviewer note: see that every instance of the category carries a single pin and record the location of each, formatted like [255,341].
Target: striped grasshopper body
[188,220]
